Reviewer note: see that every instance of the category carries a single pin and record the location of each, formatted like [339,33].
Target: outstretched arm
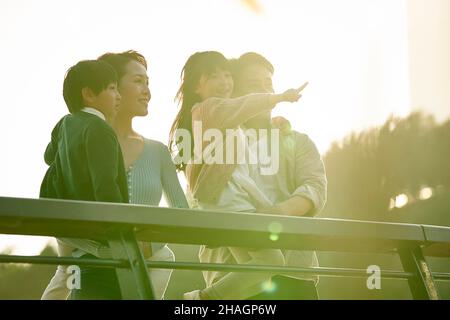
[229,113]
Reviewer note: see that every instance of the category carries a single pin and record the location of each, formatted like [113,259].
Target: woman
[205,100]
[150,172]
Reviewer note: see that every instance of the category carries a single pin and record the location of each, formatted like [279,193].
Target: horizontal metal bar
[92,220]
[337,272]
[107,263]
[441,276]
[110,263]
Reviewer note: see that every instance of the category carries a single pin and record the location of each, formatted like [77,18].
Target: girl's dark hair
[120,60]
[198,64]
[93,74]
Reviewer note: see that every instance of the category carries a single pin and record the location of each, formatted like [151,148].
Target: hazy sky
[354,53]
[429,48]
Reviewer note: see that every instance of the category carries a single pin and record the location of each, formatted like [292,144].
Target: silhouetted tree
[368,169]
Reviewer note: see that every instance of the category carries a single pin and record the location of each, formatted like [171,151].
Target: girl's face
[133,88]
[218,84]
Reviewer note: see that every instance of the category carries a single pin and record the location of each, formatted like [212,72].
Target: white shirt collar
[95,112]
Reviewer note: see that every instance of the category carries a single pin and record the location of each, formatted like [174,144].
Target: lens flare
[275,227]
[274,237]
[269,286]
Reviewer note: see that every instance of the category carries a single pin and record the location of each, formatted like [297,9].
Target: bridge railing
[123,225]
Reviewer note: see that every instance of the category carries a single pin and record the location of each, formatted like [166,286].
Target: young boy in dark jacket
[84,157]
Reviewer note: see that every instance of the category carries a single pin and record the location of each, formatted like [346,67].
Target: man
[298,188]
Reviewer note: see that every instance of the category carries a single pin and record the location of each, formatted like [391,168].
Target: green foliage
[368,169]
[24,281]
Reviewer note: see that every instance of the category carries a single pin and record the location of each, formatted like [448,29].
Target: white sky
[354,53]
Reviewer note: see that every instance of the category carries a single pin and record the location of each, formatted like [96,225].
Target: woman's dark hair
[198,64]
[120,60]
[93,74]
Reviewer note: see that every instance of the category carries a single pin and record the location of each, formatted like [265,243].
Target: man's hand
[283,124]
[295,206]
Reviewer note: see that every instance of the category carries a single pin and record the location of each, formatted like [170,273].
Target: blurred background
[378,103]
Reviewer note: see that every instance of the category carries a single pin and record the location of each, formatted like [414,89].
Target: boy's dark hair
[93,74]
[120,60]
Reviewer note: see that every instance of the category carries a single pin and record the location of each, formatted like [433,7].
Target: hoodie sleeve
[52,147]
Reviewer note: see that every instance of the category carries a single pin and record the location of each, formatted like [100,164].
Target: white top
[247,190]
[244,191]
[95,112]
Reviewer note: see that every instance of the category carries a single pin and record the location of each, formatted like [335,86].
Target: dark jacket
[85,160]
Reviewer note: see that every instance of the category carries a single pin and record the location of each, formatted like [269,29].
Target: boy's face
[107,101]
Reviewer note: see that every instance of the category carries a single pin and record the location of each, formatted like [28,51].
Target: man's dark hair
[253,58]
[246,60]
[93,74]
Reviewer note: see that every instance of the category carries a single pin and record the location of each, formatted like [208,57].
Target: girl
[205,101]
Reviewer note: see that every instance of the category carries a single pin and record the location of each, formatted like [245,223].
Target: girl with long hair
[205,98]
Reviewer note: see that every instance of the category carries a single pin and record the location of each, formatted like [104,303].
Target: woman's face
[218,84]
[133,88]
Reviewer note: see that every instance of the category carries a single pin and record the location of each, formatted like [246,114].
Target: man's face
[256,79]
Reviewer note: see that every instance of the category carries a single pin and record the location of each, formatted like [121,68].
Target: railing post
[422,286]
[135,281]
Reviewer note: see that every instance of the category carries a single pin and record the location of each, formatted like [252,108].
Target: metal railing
[123,225]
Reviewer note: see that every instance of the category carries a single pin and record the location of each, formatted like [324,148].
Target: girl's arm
[223,113]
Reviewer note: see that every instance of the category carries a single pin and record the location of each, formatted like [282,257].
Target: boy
[84,154]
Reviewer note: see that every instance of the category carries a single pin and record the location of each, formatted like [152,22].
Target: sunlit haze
[354,53]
